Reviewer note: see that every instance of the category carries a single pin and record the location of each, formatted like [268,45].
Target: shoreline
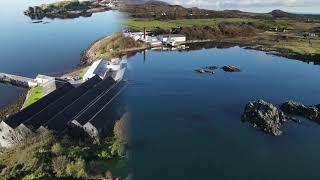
[14,106]
[88,56]
[315,58]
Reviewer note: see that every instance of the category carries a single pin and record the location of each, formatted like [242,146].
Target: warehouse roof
[34,108]
[59,122]
[54,108]
[102,102]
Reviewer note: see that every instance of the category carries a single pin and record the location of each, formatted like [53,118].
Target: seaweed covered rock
[265,116]
[299,109]
[230,68]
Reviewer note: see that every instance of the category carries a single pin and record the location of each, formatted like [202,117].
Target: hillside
[162,10]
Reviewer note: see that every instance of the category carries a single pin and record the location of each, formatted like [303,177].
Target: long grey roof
[16,119]
[101,103]
[54,108]
[59,122]
[105,119]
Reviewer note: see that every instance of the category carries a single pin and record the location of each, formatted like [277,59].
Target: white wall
[91,130]
[89,74]
[5,132]
[9,136]
[178,39]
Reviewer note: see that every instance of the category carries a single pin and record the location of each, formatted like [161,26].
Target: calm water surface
[29,49]
[187,125]
[184,125]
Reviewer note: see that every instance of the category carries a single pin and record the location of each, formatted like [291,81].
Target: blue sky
[299,6]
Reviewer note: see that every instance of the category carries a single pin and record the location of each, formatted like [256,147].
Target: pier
[17,80]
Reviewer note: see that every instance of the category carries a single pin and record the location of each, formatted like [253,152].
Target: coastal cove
[181,107]
[52,47]
[169,102]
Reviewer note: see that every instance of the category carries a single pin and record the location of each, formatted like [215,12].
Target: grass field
[35,94]
[114,46]
[83,71]
[300,46]
[139,24]
[151,24]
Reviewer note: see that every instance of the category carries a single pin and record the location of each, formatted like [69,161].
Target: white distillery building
[105,68]
[166,38]
[153,41]
[97,68]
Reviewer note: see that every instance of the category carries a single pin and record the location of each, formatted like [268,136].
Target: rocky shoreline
[13,107]
[315,58]
[228,43]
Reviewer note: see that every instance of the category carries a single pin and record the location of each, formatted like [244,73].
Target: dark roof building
[59,105]
[59,122]
[92,109]
[102,124]
[18,118]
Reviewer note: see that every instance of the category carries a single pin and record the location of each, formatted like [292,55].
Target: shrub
[59,165]
[78,152]
[105,154]
[76,169]
[57,149]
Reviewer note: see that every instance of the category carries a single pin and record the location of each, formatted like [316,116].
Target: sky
[298,6]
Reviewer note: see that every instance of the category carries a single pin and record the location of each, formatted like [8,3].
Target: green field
[151,24]
[34,95]
[300,46]
[83,71]
[139,24]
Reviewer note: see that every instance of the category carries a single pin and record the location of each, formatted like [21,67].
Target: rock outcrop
[265,116]
[299,109]
[230,68]
[200,70]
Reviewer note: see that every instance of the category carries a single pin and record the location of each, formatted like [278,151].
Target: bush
[78,152]
[57,149]
[77,169]
[59,165]
[105,154]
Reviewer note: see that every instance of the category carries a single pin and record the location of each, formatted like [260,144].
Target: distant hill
[147,2]
[160,3]
[163,10]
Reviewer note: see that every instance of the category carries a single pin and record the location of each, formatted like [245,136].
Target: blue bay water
[184,125]
[29,49]
[187,125]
